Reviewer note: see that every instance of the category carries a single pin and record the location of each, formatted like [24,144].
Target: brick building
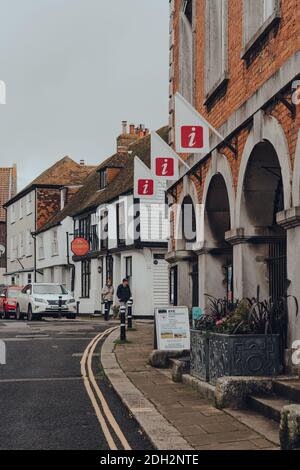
[237,63]
[32,208]
[8,189]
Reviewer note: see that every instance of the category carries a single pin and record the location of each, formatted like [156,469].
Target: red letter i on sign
[146,187]
[192,137]
[164,167]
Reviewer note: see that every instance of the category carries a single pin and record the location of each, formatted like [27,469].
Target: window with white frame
[13,249]
[21,210]
[103,229]
[128,269]
[216,44]
[121,223]
[28,243]
[54,243]
[21,244]
[257,16]
[29,203]
[12,213]
[41,247]
[186,54]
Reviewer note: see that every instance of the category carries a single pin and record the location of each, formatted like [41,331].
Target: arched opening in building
[262,199]
[189,234]
[184,277]
[216,224]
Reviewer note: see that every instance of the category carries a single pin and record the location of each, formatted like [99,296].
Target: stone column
[211,272]
[182,259]
[250,267]
[290,221]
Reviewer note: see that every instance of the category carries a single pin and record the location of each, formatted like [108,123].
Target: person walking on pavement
[124,293]
[107,298]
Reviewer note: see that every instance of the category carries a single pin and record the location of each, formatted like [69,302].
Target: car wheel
[19,315]
[30,315]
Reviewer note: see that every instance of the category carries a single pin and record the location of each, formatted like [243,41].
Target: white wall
[51,257]
[20,220]
[93,303]
[143,282]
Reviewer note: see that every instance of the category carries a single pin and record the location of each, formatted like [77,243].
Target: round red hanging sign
[80,246]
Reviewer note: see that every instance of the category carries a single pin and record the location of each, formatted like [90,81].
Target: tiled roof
[8,187]
[89,196]
[65,172]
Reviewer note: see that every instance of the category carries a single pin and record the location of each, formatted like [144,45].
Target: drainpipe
[34,255]
[71,265]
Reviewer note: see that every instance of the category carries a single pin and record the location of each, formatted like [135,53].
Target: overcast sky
[74,69]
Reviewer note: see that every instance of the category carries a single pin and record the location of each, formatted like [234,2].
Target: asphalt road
[43,401]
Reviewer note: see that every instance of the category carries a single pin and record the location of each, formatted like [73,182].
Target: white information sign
[172,328]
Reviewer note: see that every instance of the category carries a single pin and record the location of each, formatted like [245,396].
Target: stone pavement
[196,420]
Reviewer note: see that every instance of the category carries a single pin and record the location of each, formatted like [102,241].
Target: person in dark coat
[124,292]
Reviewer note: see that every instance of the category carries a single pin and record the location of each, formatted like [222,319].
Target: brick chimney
[127,138]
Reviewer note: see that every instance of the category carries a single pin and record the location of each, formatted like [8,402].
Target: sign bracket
[290,106]
[232,148]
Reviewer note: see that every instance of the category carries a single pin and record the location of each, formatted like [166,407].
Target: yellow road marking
[89,378]
[104,404]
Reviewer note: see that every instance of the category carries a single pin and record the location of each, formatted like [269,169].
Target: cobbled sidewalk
[202,425]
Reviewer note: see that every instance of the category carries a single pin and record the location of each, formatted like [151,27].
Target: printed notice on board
[172,328]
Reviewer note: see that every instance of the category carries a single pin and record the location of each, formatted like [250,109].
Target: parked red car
[8,301]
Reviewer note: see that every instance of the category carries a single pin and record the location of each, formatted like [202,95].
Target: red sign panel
[145,187]
[80,246]
[164,166]
[192,137]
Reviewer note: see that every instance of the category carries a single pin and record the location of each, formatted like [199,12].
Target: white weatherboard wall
[150,281]
[150,276]
[153,217]
[20,223]
[93,303]
[53,263]
[160,283]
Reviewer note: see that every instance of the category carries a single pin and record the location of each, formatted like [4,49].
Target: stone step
[268,428]
[270,406]
[288,389]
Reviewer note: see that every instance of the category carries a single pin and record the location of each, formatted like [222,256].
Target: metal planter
[216,355]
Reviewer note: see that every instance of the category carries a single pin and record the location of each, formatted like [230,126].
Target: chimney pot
[132,130]
[124,127]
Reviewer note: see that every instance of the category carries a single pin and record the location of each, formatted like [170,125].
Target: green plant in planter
[248,316]
[217,314]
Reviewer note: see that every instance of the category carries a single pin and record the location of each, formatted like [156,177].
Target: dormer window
[103,179]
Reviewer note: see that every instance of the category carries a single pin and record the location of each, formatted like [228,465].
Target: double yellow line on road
[103,413]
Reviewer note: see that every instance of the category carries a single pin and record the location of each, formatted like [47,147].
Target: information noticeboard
[172,328]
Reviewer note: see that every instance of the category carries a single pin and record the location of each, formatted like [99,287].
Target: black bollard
[123,323]
[106,311]
[60,305]
[129,314]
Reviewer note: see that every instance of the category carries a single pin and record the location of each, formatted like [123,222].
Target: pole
[106,311]
[123,323]
[59,305]
[129,314]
